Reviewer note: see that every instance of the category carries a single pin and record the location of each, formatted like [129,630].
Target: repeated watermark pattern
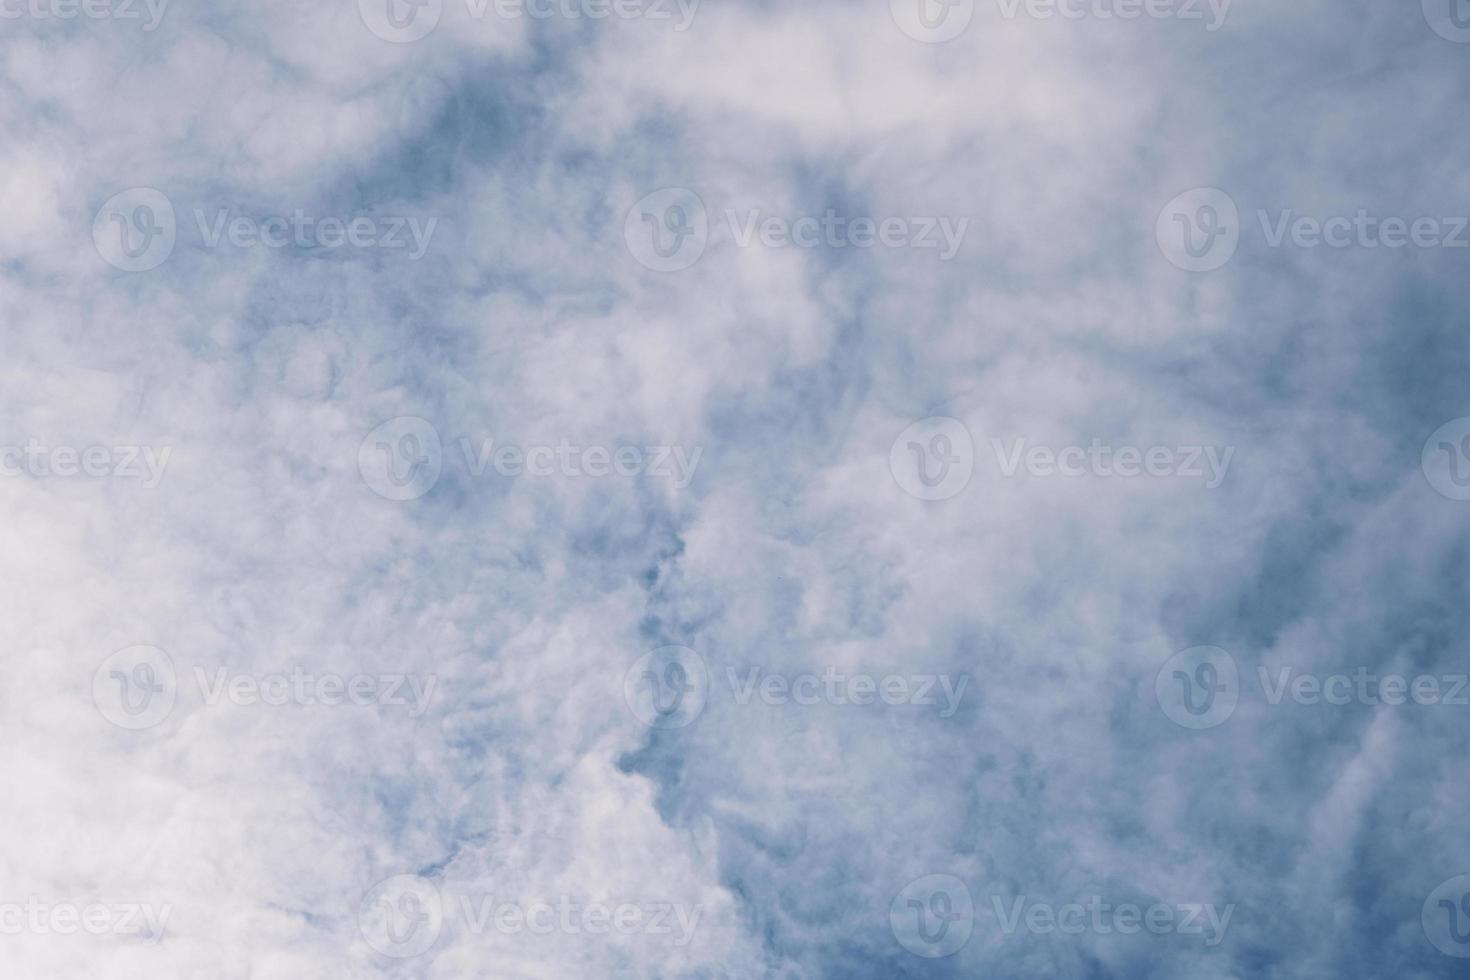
[670,686]
[934,459]
[404,916]
[934,917]
[1450,19]
[1201,687]
[932,21]
[1446,917]
[1100,917]
[138,686]
[837,687]
[1445,459]
[39,460]
[1099,459]
[406,21]
[669,229]
[667,687]
[1201,229]
[144,14]
[137,230]
[937,21]
[403,458]
[1210,13]
[36,917]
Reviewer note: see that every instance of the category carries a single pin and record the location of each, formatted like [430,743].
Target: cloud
[753,691]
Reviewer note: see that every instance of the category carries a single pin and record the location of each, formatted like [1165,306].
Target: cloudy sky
[734,489]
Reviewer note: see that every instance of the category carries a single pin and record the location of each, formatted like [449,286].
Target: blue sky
[735,489]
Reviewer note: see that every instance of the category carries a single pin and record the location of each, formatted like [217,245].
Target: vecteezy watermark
[669,688]
[1445,459]
[98,919]
[833,230]
[405,21]
[1208,463]
[149,13]
[1103,918]
[36,459]
[668,230]
[1200,687]
[137,230]
[403,458]
[933,459]
[1200,230]
[1365,687]
[937,21]
[1211,12]
[404,916]
[932,21]
[137,687]
[933,916]
[838,688]
[309,231]
[1450,19]
[1446,917]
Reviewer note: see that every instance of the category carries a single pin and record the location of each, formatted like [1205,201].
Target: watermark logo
[566,458]
[135,230]
[1201,687]
[1199,230]
[38,460]
[402,916]
[1103,918]
[1207,463]
[836,687]
[1198,688]
[401,459]
[933,459]
[136,687]
[1362,230]
[835,230]
[1445,459]
[91,9]
[300,687]
[310,231]
[401,21]
[1212,12]
[667,687]
[97,919]
[405,21]
[932,21]
[667,231]
[933,916]
[1450,19]
[1364,687]
[566,916]
[1446,917]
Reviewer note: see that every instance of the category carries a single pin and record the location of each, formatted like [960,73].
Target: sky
[568,489]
